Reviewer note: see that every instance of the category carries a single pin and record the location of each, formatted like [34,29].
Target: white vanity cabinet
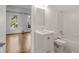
[49,42]
[44,42]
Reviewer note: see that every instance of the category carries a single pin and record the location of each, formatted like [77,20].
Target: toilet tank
[44,41]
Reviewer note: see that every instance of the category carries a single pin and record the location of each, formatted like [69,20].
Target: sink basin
[44,31]
[44,41]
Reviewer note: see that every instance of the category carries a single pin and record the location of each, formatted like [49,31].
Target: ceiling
[19,8]
[65,7]
[27,8]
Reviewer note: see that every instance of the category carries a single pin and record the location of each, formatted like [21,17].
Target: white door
[2,29]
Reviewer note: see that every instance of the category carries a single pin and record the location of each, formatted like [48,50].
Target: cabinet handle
[48,38]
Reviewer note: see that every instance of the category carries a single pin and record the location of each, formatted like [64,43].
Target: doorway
[18,29]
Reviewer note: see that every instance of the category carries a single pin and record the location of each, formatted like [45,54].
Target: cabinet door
[39,43]
[49,43]
[42,44]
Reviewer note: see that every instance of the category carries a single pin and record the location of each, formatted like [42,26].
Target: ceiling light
[41,6]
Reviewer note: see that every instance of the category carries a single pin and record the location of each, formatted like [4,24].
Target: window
[29,21]
[14,22]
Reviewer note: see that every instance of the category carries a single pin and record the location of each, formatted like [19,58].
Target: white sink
[44,41]
[43,32]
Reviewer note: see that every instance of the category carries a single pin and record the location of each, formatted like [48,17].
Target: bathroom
[63,21]
[53,28]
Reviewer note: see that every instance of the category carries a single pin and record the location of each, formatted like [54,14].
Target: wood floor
[18,43]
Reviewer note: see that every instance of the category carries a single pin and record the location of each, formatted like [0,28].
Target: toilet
[59,46]
[66,46]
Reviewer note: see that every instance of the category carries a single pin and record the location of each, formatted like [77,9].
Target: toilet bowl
[66,46]
[59,45]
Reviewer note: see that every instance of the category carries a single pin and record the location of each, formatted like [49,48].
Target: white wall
[67,21]
[38,15]
[48,18]
[53,19]
[38,20]
[61,18]
[71,29]
[22,22]
[70,25]
[3,27]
